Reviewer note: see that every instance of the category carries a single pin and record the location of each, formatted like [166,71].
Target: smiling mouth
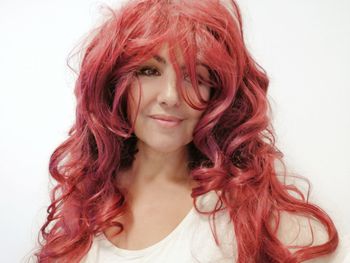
[167,123]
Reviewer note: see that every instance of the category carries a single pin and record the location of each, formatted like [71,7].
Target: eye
[201,80]
[187,77]
[148,71]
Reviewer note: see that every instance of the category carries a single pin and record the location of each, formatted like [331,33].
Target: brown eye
[201,80]
[187,77]
[148,71]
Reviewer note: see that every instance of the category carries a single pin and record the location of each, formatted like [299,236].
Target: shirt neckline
[104,241]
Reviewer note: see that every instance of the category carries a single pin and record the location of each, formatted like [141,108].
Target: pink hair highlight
[233,151]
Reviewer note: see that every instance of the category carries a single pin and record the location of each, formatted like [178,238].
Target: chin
[162,143]
[163,146]
[166,149]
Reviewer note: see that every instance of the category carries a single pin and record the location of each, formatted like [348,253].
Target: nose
[169,94]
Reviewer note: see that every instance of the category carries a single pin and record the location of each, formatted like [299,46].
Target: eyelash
[143,69]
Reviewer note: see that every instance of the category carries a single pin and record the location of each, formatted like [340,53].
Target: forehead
[163,57]
[163,54]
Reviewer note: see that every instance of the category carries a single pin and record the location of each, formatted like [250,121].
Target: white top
[191,241]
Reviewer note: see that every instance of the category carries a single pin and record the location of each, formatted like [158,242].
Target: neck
[152,167]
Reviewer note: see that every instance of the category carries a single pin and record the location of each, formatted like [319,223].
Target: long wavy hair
[233,150]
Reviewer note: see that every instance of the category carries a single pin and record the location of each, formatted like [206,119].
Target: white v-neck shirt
[191,241]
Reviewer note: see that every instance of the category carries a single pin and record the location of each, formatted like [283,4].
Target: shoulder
[299,230]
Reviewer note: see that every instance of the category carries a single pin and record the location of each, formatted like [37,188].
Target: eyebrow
[159,59]
[163,61]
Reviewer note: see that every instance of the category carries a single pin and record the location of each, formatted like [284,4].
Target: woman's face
[160,99]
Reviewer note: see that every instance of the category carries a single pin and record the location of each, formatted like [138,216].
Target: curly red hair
[233,150]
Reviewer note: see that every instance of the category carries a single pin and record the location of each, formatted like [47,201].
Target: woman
[172,157]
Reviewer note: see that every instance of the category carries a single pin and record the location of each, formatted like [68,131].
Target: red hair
[233,150]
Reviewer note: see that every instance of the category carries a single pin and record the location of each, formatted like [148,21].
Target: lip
[166,120]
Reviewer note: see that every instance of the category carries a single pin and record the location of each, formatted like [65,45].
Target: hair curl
[233,149]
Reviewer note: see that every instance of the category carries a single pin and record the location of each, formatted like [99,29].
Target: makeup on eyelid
[141,70]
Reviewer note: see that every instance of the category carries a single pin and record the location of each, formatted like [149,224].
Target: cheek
[194,117]
[130,106]
[139,96]
[204,92]
[132,101]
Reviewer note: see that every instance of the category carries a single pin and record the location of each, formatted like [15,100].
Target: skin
[159,173]
[162,156]
[158,183]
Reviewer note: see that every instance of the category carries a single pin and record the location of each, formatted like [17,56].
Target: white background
[303,46]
